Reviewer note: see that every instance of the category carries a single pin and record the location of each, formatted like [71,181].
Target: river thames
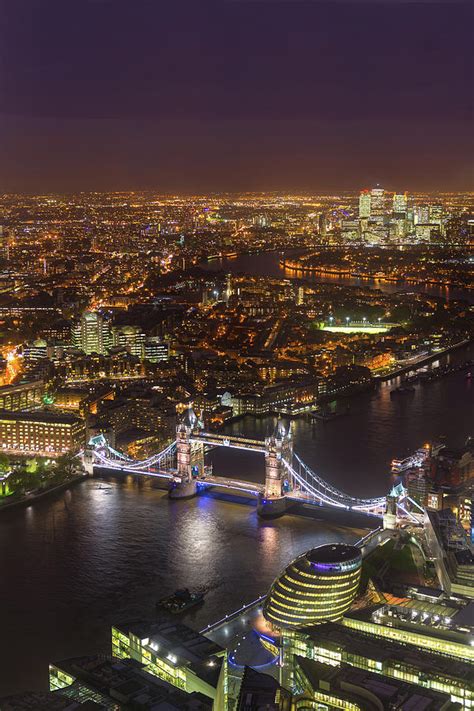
[105,551]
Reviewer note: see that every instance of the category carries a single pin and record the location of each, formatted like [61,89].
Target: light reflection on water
[267,264]
[107,550]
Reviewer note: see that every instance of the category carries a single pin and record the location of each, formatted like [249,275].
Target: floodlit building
[426,668]
[377,204]
[316,587]
[156,350]
[364,204]
[177,654]
[131,338]
[323,686]
[22,396]
[400,203]
[41,433]
[92,333]
[108,683]
[425,231]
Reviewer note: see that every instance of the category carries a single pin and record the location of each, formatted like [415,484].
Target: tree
[20,480]
[4,463]
[69,465]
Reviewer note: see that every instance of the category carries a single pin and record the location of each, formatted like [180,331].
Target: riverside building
[40,433]
[177,654]
[316,587]
[336,646]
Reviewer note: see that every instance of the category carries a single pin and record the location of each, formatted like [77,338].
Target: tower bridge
[287,477]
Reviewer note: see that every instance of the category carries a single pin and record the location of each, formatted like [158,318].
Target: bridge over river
[287,477]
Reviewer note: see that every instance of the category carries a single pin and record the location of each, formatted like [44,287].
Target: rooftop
[383,649]
[333,553]
[39,416]
[182,644]
[392,693]
[109,681]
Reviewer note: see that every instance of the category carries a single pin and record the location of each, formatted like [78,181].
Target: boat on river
[403,390]
[181,601]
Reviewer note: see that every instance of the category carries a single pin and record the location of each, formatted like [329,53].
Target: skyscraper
[92,333]
[422,214]
[377,204]
[436,214]
[156,349]
[4,243]
[364,204]
[400,203]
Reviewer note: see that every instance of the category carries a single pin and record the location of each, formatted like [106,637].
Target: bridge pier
[186,487]
[271,507]
[272,503]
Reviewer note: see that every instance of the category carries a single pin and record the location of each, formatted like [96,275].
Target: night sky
[235,95]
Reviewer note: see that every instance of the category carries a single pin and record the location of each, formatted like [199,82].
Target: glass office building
[318,586]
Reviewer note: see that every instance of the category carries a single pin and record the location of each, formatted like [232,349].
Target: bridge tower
[88,461]
[186,487]
[278,449]
[390,515]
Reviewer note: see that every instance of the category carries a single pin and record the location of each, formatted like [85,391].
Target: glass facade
[161,662]
[351,652]
[319,586]
[431,643]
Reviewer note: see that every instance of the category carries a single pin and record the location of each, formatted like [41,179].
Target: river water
[105,551]
[267,264]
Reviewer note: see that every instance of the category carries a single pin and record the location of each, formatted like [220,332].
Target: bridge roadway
[307,487]
[235,484]
[217,440]
[218,482]
[206,481]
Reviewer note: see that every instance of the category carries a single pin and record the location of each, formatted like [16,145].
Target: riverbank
[344,273]
[268,264]
[425,360]
[29,499]
[235,255]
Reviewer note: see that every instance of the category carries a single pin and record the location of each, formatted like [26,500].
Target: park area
[398,561]
[26,477]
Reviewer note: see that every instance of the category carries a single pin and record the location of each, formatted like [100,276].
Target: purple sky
[232,95]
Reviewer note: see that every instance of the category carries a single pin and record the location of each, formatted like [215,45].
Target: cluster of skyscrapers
[94,333]
[387,218]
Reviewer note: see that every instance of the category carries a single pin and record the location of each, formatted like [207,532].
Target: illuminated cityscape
[237,356]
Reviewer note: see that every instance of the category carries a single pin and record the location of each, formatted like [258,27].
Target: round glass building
[319,586]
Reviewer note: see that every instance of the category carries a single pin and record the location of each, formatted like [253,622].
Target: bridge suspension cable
[135,464]
[320,489]
[300,474]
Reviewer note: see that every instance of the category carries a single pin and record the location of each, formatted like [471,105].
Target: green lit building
[339,646]
[177,654]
